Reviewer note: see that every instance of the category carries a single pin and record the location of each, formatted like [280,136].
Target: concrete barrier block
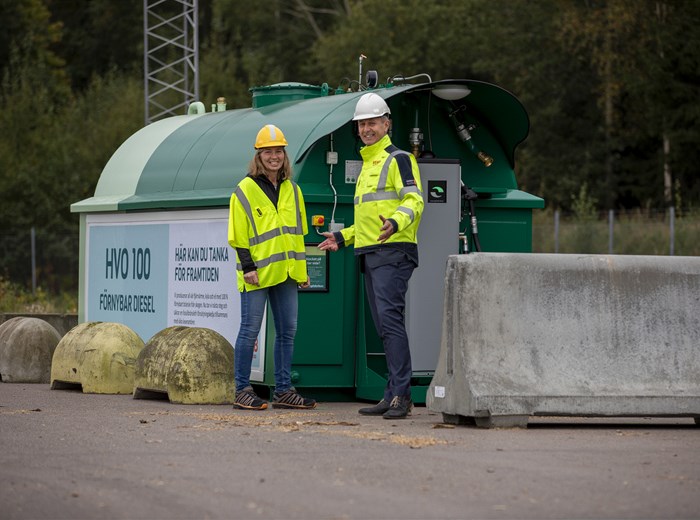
[191,365]
[568,335]
[26,350]
[97,356]
[61,322]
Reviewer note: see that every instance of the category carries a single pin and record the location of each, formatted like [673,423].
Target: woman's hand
[251,278]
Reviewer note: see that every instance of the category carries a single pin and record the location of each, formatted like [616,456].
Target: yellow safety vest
[380,190]
[274,236]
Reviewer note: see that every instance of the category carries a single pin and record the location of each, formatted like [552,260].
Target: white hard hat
[370,105]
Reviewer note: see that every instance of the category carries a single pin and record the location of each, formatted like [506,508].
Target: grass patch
[16,299]
[634,233]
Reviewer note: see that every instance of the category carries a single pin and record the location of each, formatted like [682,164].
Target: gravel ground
[65,454]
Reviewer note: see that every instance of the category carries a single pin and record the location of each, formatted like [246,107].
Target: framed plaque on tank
[317,267]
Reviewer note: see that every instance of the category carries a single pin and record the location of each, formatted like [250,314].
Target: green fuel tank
[155,229]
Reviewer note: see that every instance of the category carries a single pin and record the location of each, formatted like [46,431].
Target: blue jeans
[284,305]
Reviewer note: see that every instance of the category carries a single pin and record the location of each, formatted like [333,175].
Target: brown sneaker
[291,399]
[247,399]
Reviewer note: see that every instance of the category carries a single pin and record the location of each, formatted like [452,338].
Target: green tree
[99,36]
[516,45]
[54,144]
[260,43]
[643,52]
[54,159]
[28,36]
[399,38]
[513,43]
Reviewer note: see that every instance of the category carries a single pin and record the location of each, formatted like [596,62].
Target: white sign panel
[151,271]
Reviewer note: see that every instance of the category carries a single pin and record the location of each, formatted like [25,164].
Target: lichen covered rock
[192,365]
[98,356]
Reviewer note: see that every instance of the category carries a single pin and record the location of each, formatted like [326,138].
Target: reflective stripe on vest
[257,239]
[407,211]
[382,194]
[277,257]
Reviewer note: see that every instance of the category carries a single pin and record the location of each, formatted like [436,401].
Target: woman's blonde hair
[257,168]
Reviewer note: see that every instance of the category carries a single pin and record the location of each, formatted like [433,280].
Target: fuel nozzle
[468,198]
[464,133]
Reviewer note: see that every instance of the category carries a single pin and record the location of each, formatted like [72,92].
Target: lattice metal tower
[170,57]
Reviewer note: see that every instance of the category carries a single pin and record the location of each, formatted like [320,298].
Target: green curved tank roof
[197,160]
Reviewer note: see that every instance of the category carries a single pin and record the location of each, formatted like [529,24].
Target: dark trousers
[386,292]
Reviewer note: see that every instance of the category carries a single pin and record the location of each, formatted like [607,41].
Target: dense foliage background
[612,88]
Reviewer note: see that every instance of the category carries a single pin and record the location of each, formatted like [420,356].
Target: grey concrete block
[579,335]
[27,346]
[61,322]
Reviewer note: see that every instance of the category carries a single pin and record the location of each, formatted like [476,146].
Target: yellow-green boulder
[192,365]
[98,356]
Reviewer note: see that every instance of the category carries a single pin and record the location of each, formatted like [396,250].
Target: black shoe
[399,408]
[378,409]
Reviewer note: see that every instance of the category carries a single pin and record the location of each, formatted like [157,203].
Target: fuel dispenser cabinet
[439,226]
[156,228]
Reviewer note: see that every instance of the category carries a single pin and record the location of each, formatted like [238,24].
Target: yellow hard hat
[269,136]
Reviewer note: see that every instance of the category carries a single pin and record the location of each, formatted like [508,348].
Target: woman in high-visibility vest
[267,224]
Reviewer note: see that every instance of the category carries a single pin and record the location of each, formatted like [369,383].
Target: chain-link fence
[633,232]
[39,258]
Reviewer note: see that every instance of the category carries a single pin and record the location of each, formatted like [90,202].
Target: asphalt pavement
[65,454]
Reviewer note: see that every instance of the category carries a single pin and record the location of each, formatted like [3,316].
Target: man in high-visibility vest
[388,209]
